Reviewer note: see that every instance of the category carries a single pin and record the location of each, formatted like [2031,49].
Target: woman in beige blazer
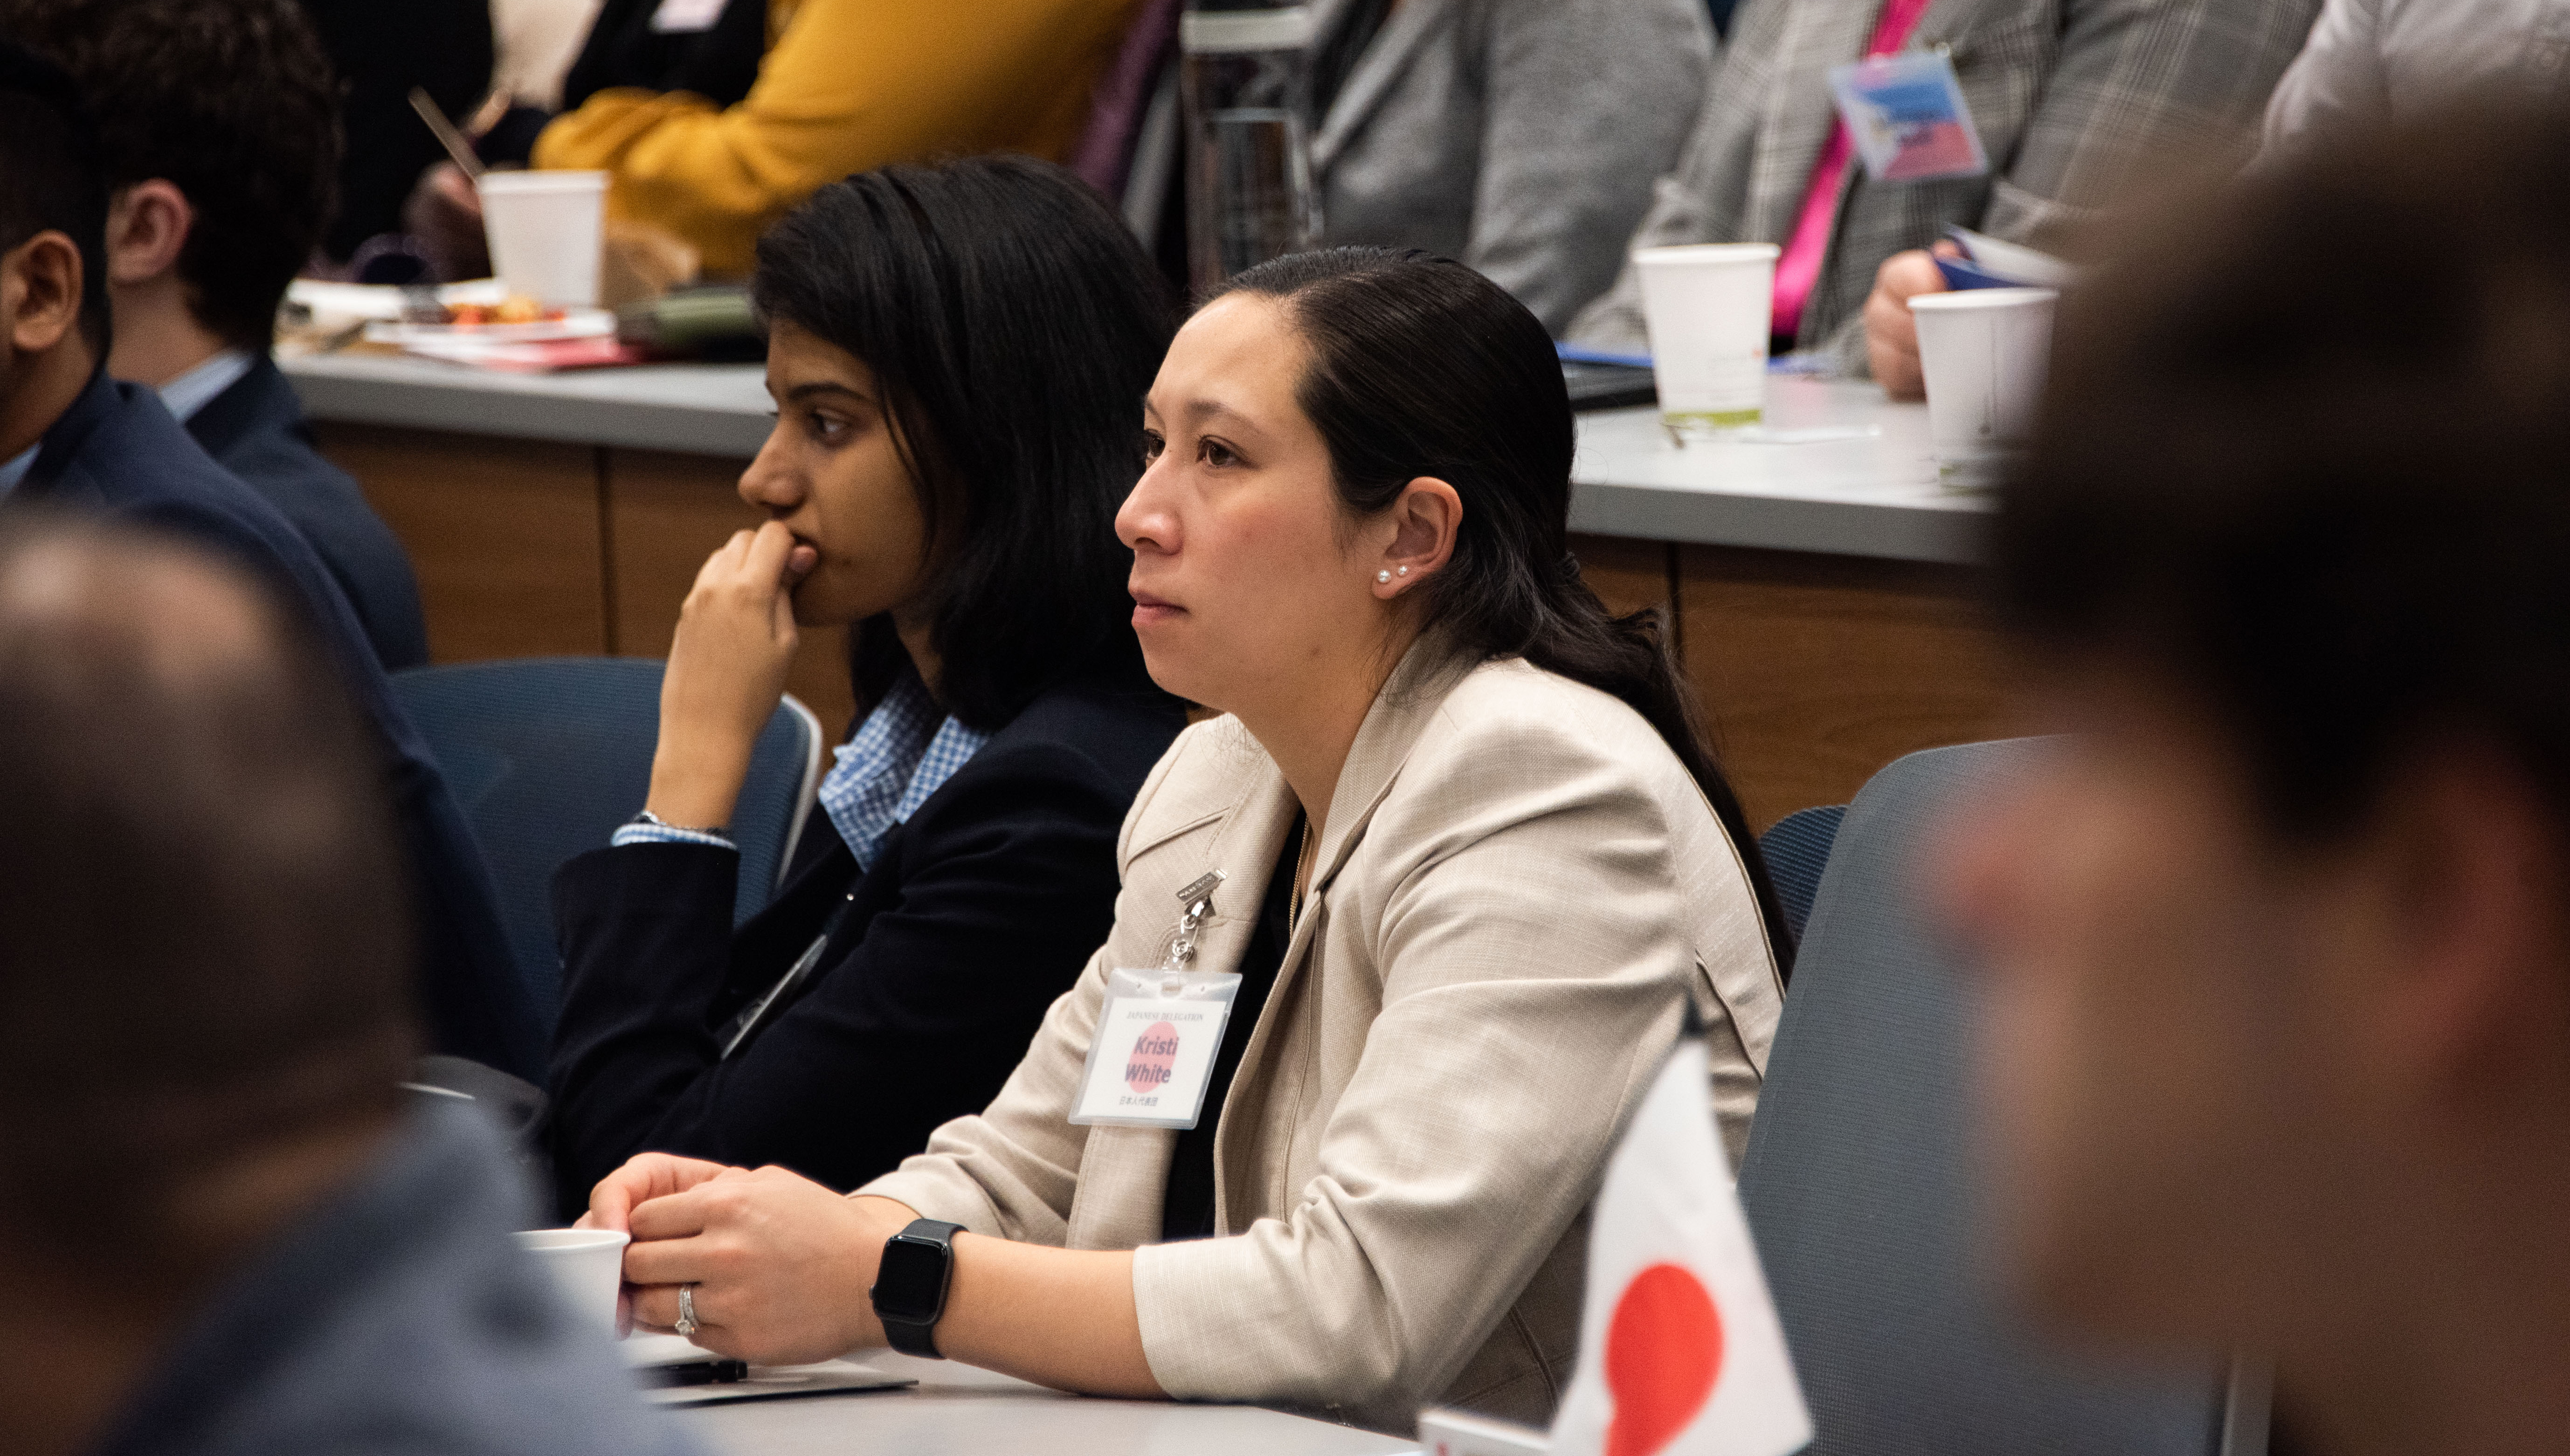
[1514,861]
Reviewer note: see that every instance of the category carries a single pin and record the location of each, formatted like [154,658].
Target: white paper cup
[547,231]
[1708,307]
[586,1264]
[1983,352]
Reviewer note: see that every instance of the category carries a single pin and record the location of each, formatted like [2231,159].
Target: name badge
[1152,1055]
[686,17]
[1906,116]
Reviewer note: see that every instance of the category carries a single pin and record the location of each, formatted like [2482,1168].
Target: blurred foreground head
[2280,1034]
[202,933]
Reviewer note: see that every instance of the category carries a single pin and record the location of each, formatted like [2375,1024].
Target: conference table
[1823,594]
[956,1410]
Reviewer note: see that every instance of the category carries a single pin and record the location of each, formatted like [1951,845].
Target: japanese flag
[1679,1349]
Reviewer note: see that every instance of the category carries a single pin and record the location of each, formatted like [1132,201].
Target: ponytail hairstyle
[1422,367]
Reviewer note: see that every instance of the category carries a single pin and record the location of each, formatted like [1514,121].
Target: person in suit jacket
[256,428]
[1477,859]
[73,438]
[223,1234]
[2073,100]
[1480,130]
[218,127]
[954,352]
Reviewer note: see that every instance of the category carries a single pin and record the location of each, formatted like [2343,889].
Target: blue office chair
[547,755]
[1859,1185]
[1797,849]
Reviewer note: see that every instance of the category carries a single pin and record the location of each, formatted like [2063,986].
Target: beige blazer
[1516,883]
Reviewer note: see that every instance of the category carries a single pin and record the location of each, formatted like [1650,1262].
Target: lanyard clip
[1197,897]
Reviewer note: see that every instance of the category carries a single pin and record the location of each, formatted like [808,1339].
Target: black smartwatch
[910,1284]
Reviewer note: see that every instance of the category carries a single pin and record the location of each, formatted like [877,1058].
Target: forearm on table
[1062,1317]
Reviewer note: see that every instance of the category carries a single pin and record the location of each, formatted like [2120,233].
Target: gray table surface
[1872,497]
[956,1410]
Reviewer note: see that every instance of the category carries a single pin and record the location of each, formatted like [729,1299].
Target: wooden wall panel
[1816,671]
[1626,574]
[504,534]
[1819,670]
[665,513]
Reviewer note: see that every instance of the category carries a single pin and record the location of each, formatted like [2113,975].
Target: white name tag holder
[686,17]
[1908,116]
[1152,1054]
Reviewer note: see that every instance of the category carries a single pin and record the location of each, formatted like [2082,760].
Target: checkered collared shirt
[905,751]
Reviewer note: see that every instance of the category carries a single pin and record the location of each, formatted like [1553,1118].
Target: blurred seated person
[2074,100]
[2278,946]
[218,123]
[2371,62]
[72,437]
[715,117]
[223,1234]
[1476,858]
[954,352]
[1520,137]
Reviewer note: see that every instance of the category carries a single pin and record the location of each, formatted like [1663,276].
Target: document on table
[781,1383]
[763,1382]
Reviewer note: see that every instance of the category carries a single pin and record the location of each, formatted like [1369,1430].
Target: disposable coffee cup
[547,231]
[586,1264]
[1983,352]
[1708,307]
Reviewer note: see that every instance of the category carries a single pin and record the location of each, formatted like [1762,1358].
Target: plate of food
[513,320]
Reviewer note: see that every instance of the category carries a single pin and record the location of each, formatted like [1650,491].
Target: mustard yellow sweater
[847,84]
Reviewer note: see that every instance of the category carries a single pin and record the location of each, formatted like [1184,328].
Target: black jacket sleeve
[475,1002]
[978,913]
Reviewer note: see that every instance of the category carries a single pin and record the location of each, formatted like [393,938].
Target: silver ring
[686,1325]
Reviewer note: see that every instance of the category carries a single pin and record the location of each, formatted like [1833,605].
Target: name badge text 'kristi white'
[1152,1053]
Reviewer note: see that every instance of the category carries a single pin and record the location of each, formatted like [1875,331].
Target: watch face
[910,1284]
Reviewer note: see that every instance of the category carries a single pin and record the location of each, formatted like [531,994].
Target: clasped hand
[1891,335]
[728,664]
[781,1266]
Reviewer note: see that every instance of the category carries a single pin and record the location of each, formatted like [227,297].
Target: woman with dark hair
[1473,863]
[954,353]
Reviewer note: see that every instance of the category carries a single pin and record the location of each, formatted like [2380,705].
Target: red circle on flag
[1663,1351]
[1156,1053]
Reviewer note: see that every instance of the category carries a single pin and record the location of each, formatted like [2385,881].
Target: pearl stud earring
[1405,571]
[1383,576]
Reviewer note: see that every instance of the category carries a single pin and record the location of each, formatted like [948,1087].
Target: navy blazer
[978,913]
[116,452]
[256,430]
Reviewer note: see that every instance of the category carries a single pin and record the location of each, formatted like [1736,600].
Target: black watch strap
[913,1340]
[903,1329]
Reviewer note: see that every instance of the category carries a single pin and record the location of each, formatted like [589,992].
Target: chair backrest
[547,755]
[1859,1183]
[1797,849]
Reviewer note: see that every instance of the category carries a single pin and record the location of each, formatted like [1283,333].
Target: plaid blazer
[2073,99]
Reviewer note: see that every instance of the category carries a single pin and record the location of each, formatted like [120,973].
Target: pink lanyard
[1799,268]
